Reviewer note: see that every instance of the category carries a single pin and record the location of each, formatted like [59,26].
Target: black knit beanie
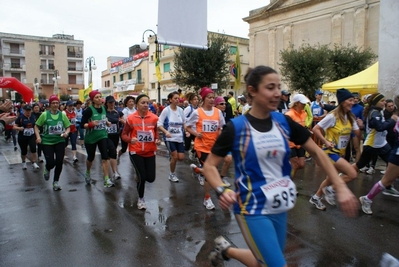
[343,94]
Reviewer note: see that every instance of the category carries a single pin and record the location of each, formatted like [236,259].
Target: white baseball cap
[299,98]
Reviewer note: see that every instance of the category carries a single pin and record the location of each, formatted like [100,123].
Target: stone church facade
[282,22]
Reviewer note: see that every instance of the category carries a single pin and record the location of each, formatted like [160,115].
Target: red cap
[92,94]
[53,98]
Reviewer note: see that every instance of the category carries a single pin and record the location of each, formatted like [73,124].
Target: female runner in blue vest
[264,190]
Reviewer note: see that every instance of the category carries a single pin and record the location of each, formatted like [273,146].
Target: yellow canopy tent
[364,82]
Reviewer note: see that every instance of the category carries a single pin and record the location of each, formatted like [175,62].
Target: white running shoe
[209,204]
[389,261]
[366,205]
[141,204]
[24,167]
[370,170]
[173,178]
[35,166]
[329,195]
[364,169]
[116,176]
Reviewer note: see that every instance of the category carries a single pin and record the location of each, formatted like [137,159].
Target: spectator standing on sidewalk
[55,129]
[171,122]
[264,192]
[141,133]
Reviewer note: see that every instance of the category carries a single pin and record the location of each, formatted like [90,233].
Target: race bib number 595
[281,195]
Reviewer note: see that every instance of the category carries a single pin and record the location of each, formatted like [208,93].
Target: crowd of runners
[266,136]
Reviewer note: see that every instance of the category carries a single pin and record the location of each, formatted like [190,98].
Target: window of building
[233,50]
[129,75]
[14,49]
[51,64]
[139,79]
[113,79]
[72,79]
[108,83]
[121,77]
[166,67]
[15,63]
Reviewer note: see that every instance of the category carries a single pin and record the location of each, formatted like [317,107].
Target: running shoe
[201,179]
[391,192]
[366,205]
[225,181]
[317,202]
[116,176]
[46,174]
[382,172]
[75,159]
[108,183]
[370,170]
[40,160]
[209,204]
[15,148]
[388,260]
[329,195]
[141,204]
[173,178]
[24,167]
[56,186]
[364,169]
[35,166]
[218,255]
[87,178]
[196,170]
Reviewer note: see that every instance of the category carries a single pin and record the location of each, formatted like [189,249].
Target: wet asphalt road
[96,226]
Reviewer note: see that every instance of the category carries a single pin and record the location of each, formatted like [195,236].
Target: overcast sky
[109,28]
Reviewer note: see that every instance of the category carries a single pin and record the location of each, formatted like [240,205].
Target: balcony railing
[44,53]
[140,81]
[46,81]
[16,66]
[75,81]
[73,54]
[45,67]
[75,68]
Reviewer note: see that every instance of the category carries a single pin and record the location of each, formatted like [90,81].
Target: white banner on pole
[183,23]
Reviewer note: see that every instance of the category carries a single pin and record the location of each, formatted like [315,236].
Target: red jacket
[144,130]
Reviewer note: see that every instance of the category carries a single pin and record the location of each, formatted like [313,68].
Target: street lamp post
[143,46]
[89,66]
[55,79]
[36,91]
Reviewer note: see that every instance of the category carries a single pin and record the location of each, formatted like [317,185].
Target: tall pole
[36,91]
[158,52]
[143,46]
[55,79]
[90,66]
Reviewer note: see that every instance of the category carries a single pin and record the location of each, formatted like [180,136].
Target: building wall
[31,60]
[150,81]
[274,27]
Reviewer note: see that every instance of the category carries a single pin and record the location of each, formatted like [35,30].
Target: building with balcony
[136,74]
[35,58]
